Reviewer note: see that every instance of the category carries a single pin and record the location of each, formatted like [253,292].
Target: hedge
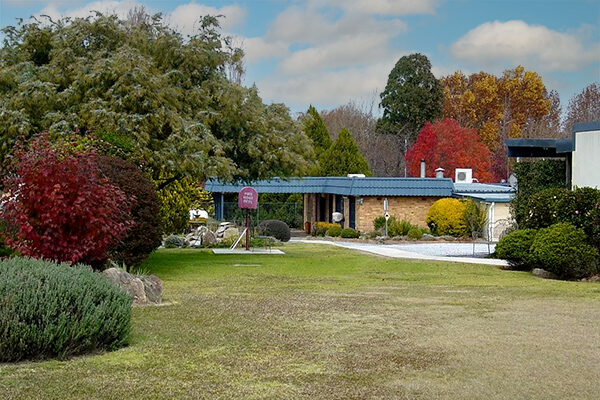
[55,310]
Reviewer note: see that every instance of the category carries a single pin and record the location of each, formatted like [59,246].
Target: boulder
[144,289]
[223,226]
[427,236]
[195,242]
[208,239]
[152,288]
[231,233]
[542,273]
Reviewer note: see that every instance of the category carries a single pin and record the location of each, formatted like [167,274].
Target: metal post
[247,230]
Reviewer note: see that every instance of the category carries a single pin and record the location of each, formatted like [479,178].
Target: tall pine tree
[315,129]
[343,157]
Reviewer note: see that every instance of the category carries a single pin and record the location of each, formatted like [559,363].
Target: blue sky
[329,52]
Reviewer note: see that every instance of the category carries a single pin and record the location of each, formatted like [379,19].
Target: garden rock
[542,273]
[223,226]
[231,233]
[152,288]
[427,236]
[209,238]
[143,289]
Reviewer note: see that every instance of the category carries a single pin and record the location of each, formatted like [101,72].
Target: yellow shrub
[447,217]
[325,225]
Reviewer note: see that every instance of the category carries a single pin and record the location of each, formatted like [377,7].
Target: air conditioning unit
[463,175]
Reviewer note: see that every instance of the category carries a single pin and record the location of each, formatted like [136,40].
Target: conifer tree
[343,157]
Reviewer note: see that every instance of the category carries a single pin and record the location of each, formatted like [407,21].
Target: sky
[329,52]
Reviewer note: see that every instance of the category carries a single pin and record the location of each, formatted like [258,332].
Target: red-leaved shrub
[59,208]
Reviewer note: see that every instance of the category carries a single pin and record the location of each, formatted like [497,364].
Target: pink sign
[248,198]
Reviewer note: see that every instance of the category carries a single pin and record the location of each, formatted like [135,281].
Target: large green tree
[165,101]
[343,157]
[317,132]
[411,97]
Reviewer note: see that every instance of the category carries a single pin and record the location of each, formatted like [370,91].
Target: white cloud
[185,17]
[329,88]
[256,49]
[358,50]
[381,7]
[517,42]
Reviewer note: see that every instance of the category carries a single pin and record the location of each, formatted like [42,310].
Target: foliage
[379,222]
[334,231]
[144,236]
[448,145]
[343,157]
[532,177]
[164,98]
[514,105]
[174,241]
[60,208]
[320,228]
[447,217]
[515,248]
[374,234]
[316,131]
[278,229]
[562,250]
[54,310]
[579,207]
[177,200]
[399,228]
[4,250]
[415,233]
[476,216]
[350,233]
[412,96]
[583,107]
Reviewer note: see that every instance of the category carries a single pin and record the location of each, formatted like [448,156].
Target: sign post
[386,214]
[248,200]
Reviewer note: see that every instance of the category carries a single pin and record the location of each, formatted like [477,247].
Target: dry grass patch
[335,324]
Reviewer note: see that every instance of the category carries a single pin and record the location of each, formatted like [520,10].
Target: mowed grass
[328,323]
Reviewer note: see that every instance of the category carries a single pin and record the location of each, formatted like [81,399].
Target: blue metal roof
[485,192]
[346,186]
[482,188]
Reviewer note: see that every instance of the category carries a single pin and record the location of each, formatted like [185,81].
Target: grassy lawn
[329,323]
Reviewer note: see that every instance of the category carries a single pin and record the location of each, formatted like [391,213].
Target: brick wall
[412,209]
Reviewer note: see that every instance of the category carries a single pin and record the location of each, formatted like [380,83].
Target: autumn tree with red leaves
[448,145]
[59,208]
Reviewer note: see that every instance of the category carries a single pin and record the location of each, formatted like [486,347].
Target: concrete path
[412,251]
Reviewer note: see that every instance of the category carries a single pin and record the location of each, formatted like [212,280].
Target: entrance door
[352,211]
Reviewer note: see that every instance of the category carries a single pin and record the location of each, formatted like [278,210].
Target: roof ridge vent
[356,175]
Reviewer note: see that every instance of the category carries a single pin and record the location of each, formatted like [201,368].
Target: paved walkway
[420,251]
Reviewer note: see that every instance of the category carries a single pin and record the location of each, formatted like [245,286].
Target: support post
[247,230]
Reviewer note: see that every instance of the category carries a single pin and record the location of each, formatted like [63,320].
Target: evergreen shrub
[334,231]
[53,310]
[515,248]
[349,233]
[562,250]
[415,233]
[278,229]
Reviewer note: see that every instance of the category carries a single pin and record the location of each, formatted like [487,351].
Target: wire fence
[290,213]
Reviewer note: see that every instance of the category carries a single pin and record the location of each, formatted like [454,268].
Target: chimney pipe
[422,168]
[439,173]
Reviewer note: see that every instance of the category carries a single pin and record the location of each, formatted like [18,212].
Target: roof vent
[439,173]
[463,175]
[356,175]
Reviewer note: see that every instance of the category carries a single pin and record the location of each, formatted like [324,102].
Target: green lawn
[328,323]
